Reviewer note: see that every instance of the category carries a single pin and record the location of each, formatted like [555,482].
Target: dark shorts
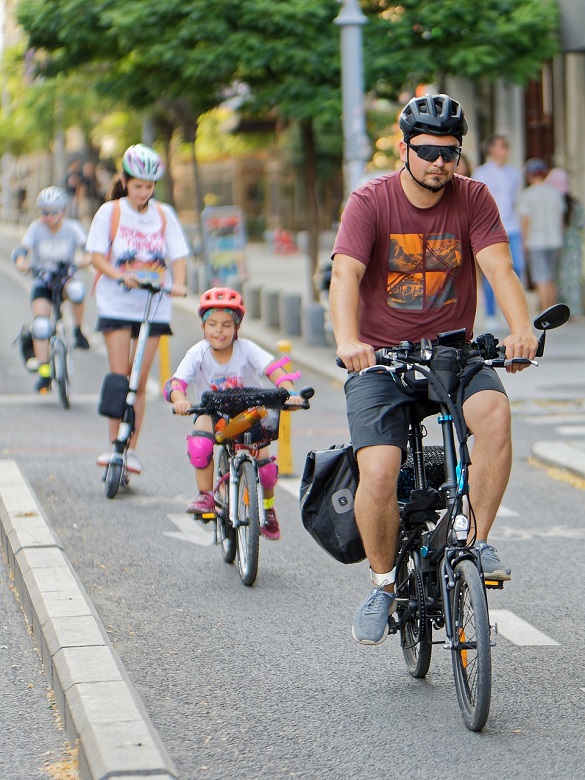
[543,264]
[379,408]
[107,324]
[40,290]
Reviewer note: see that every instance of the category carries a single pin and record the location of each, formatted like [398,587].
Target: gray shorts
[543,265]
[379,408]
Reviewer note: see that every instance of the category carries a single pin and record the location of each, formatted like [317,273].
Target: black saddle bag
[330,479]
[113,394]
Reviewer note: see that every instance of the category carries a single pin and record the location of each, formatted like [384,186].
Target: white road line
[191,530]
[291,485]
[503,511]
[518,631]
[571,430]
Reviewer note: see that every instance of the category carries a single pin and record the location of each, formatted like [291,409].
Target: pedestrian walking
[130,234]
[541,210]
[505,183]
[570,269]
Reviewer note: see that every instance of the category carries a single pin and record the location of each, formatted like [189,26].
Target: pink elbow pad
[180,384]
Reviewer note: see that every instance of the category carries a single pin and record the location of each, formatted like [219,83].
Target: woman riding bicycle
[404,270]
[132,233]
[52,241]
[219,362]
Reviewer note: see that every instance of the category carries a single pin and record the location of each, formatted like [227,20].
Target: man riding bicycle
[404,270]
[52,240]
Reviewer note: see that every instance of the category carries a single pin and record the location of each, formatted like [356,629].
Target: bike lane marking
[191,530]
[518,631]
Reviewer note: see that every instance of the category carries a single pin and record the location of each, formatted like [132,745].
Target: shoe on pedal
[370,622]
[80,342]
[203,505]
[43,385]
[270,529]
[133,465]
[492,566]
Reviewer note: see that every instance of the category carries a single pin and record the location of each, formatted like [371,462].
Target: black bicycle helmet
[433,114]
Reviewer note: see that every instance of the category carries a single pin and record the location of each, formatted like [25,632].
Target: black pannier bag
[113,395]
[328,485]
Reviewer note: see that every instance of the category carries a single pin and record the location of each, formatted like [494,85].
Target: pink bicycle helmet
[142,162]
[222,298]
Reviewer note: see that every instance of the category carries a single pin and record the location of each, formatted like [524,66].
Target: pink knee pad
[200,448]
[268,471]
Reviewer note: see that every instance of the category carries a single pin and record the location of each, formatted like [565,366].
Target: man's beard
[436,188]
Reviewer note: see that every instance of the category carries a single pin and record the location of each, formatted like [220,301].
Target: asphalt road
[266,682]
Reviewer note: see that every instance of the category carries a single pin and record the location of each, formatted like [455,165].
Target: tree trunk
[310,177]
[190,127]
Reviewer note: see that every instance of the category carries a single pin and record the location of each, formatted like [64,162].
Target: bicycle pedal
[392,625]
[494,584]
[207,516]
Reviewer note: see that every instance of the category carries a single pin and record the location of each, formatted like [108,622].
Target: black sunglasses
[45,213]
[431,153]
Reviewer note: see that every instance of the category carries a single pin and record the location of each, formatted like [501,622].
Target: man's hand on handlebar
[520,345]
[356,355]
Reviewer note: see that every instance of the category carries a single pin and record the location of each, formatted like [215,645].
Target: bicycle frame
[235,458]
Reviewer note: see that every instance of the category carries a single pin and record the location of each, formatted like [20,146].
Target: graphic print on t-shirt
[225,382]
[421,271]
[148,245]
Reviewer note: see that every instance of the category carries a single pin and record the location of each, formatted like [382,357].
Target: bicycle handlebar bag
[330,479]
[113,396]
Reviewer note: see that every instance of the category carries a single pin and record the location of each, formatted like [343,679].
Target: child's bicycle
[439,582]
[60,352]
[244,421]
[118,395]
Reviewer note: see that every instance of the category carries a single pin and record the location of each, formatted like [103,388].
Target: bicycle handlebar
[306,393]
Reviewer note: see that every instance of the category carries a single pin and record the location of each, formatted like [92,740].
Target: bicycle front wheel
[60,372]
[471,654]
[248,532]
[225,534]
[415,628]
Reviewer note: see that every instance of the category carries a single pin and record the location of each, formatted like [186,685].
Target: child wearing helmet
[52,240]
[221,361]
[133,233]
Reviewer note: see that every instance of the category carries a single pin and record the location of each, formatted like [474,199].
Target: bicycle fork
[235,463]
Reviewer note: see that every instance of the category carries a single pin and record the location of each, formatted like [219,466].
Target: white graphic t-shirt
[49,249]
[139,245]
[247,364]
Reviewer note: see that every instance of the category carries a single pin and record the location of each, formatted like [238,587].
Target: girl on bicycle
[223,361]
[52,240]
[134,234]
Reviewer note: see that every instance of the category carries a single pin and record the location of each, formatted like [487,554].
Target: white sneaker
[104,459]
[132,463]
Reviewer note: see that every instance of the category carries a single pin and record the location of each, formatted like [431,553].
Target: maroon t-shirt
[420,276]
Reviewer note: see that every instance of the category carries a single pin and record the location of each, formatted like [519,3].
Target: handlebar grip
[340,363]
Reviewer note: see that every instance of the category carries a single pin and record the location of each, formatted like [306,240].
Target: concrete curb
[560,455]
[98,704]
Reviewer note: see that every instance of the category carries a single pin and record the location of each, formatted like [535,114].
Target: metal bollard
[284,451]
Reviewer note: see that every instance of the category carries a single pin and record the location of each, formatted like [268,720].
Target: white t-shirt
[505,183]
[139,245]
[544,206]
[48,248]
[247,364]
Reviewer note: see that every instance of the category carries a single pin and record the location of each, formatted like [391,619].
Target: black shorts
[40,290]
[379,408]
[107,324]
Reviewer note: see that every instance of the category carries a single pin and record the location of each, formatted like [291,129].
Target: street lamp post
[355,143]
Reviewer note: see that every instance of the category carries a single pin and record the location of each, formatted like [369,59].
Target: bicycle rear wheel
[225,533]
[248,534]
[60,372]
[471,655]
[415,628]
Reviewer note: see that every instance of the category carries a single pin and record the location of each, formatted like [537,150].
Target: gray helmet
[142,162]
[433,114]
[52,199]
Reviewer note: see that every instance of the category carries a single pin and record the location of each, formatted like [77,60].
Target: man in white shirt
[505,183]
